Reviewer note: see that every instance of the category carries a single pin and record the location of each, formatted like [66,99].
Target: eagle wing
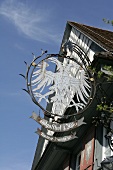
[41,78]
[81,86]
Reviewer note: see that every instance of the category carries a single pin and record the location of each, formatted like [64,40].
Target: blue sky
[27,26]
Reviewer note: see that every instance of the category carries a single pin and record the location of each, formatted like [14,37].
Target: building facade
[91,147]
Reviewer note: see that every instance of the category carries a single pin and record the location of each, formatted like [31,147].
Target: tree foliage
[108,21]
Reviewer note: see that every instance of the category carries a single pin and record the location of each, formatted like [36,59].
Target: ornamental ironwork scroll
[61,82]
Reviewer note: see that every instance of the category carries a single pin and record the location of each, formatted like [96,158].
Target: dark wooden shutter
[87,154]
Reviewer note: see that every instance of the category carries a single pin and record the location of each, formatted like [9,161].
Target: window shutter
[87,154]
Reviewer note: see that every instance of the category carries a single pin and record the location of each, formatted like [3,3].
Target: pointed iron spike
[38,131]
[33,55]
[25,90]
[34,114]
[42,51]
[22,75]
[25,62]
[31,117]
[46,51]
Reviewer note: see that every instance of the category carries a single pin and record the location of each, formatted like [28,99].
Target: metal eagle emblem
[62,85]
[56,82]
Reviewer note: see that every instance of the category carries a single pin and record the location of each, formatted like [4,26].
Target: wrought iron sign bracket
[60,85]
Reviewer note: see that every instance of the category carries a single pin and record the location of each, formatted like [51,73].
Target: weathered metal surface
[57,127]
[56,139]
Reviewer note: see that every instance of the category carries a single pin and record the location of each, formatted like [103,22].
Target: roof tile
[102,37]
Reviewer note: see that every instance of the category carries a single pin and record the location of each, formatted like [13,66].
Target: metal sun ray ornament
[56,82]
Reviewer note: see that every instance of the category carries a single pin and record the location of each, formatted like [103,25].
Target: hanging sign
[57,82]
[56,139]
[57,127]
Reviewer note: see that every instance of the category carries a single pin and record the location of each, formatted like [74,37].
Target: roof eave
[70,23]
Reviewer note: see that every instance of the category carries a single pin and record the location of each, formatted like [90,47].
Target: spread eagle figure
[69,80]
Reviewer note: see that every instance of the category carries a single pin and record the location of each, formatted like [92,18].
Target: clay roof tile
[102,37]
